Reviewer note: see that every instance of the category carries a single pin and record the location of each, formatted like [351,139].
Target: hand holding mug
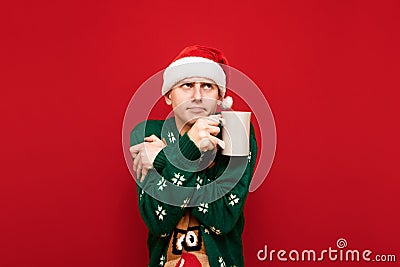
[203,133]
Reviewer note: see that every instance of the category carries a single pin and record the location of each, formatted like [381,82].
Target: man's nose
[197,91]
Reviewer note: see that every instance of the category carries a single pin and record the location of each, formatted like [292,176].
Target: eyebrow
[198,82]
[202,83]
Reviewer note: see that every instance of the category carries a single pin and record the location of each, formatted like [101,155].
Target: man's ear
[219,100]
[168,98]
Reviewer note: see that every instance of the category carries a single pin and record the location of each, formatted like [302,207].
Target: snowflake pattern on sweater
[162,183]
[161,212]
[161,218]
[178,179]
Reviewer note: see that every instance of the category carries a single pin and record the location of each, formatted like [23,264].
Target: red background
[329,69]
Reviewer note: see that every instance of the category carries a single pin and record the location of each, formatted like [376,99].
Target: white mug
[235,132]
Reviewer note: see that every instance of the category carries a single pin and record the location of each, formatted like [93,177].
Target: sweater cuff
[159,161]
[187,148]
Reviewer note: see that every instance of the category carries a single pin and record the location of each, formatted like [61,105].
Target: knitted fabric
[220,222]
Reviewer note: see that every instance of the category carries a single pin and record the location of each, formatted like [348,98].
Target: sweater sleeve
[158,198]
[231,189]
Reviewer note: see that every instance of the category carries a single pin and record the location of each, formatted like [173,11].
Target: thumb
[151,138]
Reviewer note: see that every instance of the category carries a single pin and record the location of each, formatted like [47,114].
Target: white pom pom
[227,103]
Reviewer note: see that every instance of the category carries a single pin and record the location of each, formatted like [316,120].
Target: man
[191,197]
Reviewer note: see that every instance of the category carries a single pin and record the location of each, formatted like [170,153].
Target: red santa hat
[197,61]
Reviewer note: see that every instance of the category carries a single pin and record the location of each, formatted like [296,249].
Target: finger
[133,152]
[136,148]
[216,117]
[135,165]
[151,138]
[214,130]
[139,169]
[211,121]
[164,142]
[144,173]
[214,140]
[204,144]
[207,144]
[134,155]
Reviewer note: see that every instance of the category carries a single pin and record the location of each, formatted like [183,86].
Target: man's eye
[207,85]
[187,85]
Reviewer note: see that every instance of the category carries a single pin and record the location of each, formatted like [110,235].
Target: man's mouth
[196,109]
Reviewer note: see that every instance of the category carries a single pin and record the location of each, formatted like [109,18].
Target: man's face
[193,98]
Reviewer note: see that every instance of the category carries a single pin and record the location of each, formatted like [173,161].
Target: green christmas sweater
[215,196]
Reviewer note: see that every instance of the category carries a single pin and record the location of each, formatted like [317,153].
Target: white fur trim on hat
[227,103]
[188,67]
